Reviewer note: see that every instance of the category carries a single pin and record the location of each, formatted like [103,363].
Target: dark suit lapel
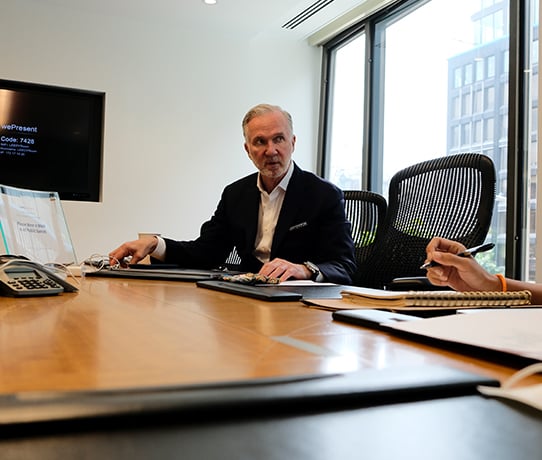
[290,209]
[250,206]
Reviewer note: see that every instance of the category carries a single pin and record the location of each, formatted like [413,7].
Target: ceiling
[243,18]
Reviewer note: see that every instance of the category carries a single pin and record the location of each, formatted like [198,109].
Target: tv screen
[51,139]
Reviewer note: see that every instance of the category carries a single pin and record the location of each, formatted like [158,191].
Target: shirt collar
[283,184]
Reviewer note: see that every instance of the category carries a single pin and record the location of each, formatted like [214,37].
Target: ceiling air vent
[306,14]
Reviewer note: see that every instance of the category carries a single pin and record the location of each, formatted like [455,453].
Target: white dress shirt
[270,206]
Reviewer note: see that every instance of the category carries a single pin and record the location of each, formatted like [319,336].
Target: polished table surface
[118,333]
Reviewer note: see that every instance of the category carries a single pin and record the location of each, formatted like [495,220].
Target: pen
[466,253]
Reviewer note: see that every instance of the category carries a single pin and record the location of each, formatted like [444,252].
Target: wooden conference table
[125,333]
[122,334]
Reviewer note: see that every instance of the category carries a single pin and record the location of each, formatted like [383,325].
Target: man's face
[270,144]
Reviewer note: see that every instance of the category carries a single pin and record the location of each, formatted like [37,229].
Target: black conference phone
[20,277]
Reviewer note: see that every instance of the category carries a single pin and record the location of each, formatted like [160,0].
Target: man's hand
[284,270]
[137,249]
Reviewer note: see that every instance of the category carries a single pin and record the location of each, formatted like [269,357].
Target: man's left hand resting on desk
[284,270]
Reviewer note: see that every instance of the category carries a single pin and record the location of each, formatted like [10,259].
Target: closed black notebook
[269,293]
[277,292]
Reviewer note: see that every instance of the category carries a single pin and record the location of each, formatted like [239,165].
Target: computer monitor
[51,138]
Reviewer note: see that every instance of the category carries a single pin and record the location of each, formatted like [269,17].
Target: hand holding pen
[456,268]
[471,252]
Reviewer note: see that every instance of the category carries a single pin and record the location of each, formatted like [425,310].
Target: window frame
[518,107]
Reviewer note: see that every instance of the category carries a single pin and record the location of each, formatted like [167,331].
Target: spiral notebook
[357,298]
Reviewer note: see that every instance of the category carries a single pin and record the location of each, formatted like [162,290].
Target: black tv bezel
[96,141]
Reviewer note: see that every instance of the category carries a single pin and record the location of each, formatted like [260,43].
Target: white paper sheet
[514,330]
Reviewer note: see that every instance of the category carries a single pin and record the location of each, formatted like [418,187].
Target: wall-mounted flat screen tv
[51,139]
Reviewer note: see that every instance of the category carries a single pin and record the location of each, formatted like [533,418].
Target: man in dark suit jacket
[284,222]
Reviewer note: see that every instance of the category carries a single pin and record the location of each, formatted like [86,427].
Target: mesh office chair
[365,210]
[451,197]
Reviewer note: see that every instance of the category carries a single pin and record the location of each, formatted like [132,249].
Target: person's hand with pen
[449,263]
[448,266]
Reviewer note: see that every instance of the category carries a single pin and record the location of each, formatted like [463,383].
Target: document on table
[516,331]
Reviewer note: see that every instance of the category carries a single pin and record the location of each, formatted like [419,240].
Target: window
[489,100]
[477,133]
[530,140]
[490,67]
[456,107]
[414,71]
[479,66]
[478,97]
[466,104]
[439,84]
[488,129]
[346,126]
[455,136]
[468,74]
[458,77]
[465,136]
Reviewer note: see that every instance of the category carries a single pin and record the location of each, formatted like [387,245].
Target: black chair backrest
[365,210]
[451,197]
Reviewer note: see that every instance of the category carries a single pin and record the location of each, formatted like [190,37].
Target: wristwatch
[313,269]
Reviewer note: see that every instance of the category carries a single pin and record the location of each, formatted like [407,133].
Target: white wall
[174,103]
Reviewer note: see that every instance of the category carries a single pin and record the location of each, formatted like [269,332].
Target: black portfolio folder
[224,400]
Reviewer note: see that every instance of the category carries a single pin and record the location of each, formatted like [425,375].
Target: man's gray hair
[262,109]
